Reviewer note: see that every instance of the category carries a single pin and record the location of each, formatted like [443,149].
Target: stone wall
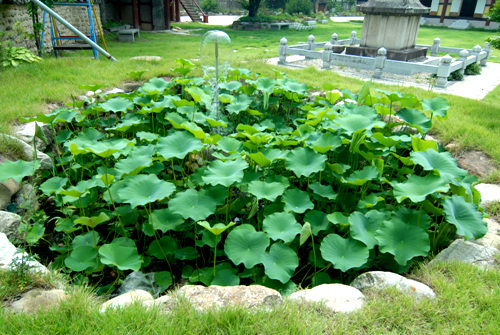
[75,15]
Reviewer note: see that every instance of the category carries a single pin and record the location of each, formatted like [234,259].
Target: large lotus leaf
[217,229]
[360,177]
[121,253]
[419,144]
[273,154]
[154,86]
[52,185]
[305,233]
[465,216]
[178,145]
[165,220]
[82,258]
[245,245]
[117,104]
[266,190]
[417,188]
[324,143]
[325,191]
[402,240]
[229,145]
[351,123]
[465,189]
[240,103]
[438,106]
[280,262]
[191,204]
[440,162]
[199,95]
[297,201]
[81,188]
[292,85]
[304,162]
[225,277]
[318,221]
[102,149]
[127,122]
[93,221]
[415,118]
[363,227]
[281,226]
[89,239]
[163,247]
[413,217]
[338,218]
[230,85]
[260,159]
[147,136]
[139,159]
[17,170]
[144,189]
[344,254]
[225,173]
[187,253]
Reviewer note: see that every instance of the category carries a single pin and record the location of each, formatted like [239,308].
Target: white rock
[492,237]
[9,224]
[115,90]
[26,132]
[126,299]
[337,297]
[381,279]
[468,252]
[147,58]
[35,300]
[45,161]
[489,192]
[8,253]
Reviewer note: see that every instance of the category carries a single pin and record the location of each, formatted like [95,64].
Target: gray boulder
[26,200]
[7,190]
[336,297]
[45,161]
[36,300]
[9,225]
[468,252]
[381,280]
[26,132]
[492,237]
[137,296]
[248,296]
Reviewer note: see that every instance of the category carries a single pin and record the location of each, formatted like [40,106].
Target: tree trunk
[253,6]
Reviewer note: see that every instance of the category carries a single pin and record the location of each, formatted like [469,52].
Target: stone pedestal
[392,25]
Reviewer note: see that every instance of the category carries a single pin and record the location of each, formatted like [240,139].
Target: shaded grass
[466,303]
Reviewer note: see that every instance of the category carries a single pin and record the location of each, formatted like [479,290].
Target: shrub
[282,189]
[210,6]
[12,55]
[456,76]
[298,6]
[473,69]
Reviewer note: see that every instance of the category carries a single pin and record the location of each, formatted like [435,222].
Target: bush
[456,76]
[298,6]
[12,55]
[276,187]
[210,6]
[473,69]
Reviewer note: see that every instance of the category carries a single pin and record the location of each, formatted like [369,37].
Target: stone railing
[331,54]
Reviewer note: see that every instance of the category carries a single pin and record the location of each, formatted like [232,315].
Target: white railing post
[380,63]
[354,39]
[435,47]
[443,71]
[476,51]
[487,49]
[462,58]
[335,39]
[282,50]
[327,53]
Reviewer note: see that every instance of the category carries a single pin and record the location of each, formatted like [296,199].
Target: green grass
[466,303]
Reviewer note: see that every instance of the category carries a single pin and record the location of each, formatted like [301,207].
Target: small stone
[136,296]
[381,279]
[468,252]
[35,300]
[147,58]
[336,297]
[492,237]
[115,90]
[451,147]
[5,196]
[477,163]
[219,296]
[9,225]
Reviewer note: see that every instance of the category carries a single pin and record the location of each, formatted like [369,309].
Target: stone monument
[392,24]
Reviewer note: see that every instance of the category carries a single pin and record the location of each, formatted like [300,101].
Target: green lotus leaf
[260,159]
[90,239]
[417,188]
[144,189]
[305,233]
[419,144]
[245,245]
[52,185]
[338,218]
[33,232]
[344,254]
[440,162]
[370,201]
[163,247]
[199,95]
[304,162]
[363,227]
[138,159]
[415,118]
[438,106]
[280,262]
[121,253]
[465,189]
[229,145]
[465,216]
[93,221]
[297,201]
[225,277]
[217,193]
[225,173]
[325,191]
[165,220]
[187,253]
[360,177]
[273,154]
[146,136]
[230,85]
[191,204]
[79,189]
[82,258]
[102,149]
[66,117]
[393,96]
[413,217]
[163,279]
[402,240]
[17,170]
[240,103]
[266,190]
[117,104]
[324,143]
[351,123]
[178,145]
[154,86]
[127,122]
[318,221]
[217,229]
[281,226]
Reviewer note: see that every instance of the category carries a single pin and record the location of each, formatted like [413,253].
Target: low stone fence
[442,67]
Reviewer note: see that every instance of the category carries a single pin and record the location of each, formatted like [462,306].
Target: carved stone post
[335,39]
[476,51]
[354,38]
[487,48]
[380,63]
[443,71]
[462,58]
[327,54]
[282,50]
[435,47]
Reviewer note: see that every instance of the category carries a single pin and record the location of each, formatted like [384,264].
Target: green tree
[494,15]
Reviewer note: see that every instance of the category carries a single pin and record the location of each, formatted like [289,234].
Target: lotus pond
[285,188]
